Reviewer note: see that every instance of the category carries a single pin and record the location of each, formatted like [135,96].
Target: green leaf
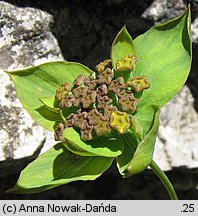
[58,166]
[136,128]
[51,103]
[121,47]
[130,145]
[103,146]
[142,156]
[164,55]
[49,115]
[42,81]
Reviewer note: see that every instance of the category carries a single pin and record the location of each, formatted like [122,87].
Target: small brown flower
[102,127]
[63,91]
[91,82]
[128,103]
[103,65]
[81,120]
[88,99]
[105,76]
[67,102]
[117,85]
[86,134]
[93,117]
[103,101]
[102,90]
[79,80]
[59,131]
[70,120]
[80,91]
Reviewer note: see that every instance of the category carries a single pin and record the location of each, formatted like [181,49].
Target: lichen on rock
[25,40]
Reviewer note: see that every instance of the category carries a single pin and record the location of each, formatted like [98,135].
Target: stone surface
[25,37]
[163,10]
[195,30]
[25,40]
[176,145]
[85,30]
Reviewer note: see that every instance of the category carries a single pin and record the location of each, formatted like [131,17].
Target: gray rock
[163,10]
[176,145]
[25,37]
[195,31]
[25,40]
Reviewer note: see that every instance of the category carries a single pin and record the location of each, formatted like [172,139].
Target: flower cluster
[102,102]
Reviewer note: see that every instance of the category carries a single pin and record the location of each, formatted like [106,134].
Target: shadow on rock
[144,186]
[192,81]
[85,30]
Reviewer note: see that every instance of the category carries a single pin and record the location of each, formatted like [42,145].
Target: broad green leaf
[164,55]
[136,128]
[122,46]
[59,166]
[42,81]
[51,103]
[130,145]
[143,154]
[105,146]
[49,115]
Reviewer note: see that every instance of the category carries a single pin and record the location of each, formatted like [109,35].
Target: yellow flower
[126,63]
[120,121]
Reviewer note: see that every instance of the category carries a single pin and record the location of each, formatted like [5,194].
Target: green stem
[164,179]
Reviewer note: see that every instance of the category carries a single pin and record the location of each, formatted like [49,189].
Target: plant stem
[164,179]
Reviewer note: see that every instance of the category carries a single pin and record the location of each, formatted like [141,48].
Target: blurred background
[34,32]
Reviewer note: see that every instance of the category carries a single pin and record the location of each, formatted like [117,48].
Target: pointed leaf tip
[122,46]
